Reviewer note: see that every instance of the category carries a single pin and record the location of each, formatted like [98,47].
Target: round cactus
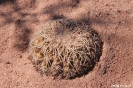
[65,48]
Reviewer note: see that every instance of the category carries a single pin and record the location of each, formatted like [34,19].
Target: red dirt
[112,19]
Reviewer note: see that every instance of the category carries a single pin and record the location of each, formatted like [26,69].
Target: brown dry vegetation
[112,19]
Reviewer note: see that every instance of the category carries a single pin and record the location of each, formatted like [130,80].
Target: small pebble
[7,62]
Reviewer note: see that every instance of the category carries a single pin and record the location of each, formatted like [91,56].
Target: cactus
[64,48]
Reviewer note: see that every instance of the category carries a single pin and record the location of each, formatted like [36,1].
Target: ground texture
[112,19]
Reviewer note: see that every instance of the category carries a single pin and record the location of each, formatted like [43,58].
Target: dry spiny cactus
[65,48]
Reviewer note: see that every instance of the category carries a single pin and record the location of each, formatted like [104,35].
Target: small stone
[20,56]
[7,62]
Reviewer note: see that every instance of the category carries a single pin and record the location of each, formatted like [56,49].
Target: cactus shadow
[4,1]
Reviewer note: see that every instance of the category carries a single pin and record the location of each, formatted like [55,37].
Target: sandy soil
[112,19]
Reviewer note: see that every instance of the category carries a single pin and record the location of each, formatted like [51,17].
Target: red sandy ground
[112,19]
